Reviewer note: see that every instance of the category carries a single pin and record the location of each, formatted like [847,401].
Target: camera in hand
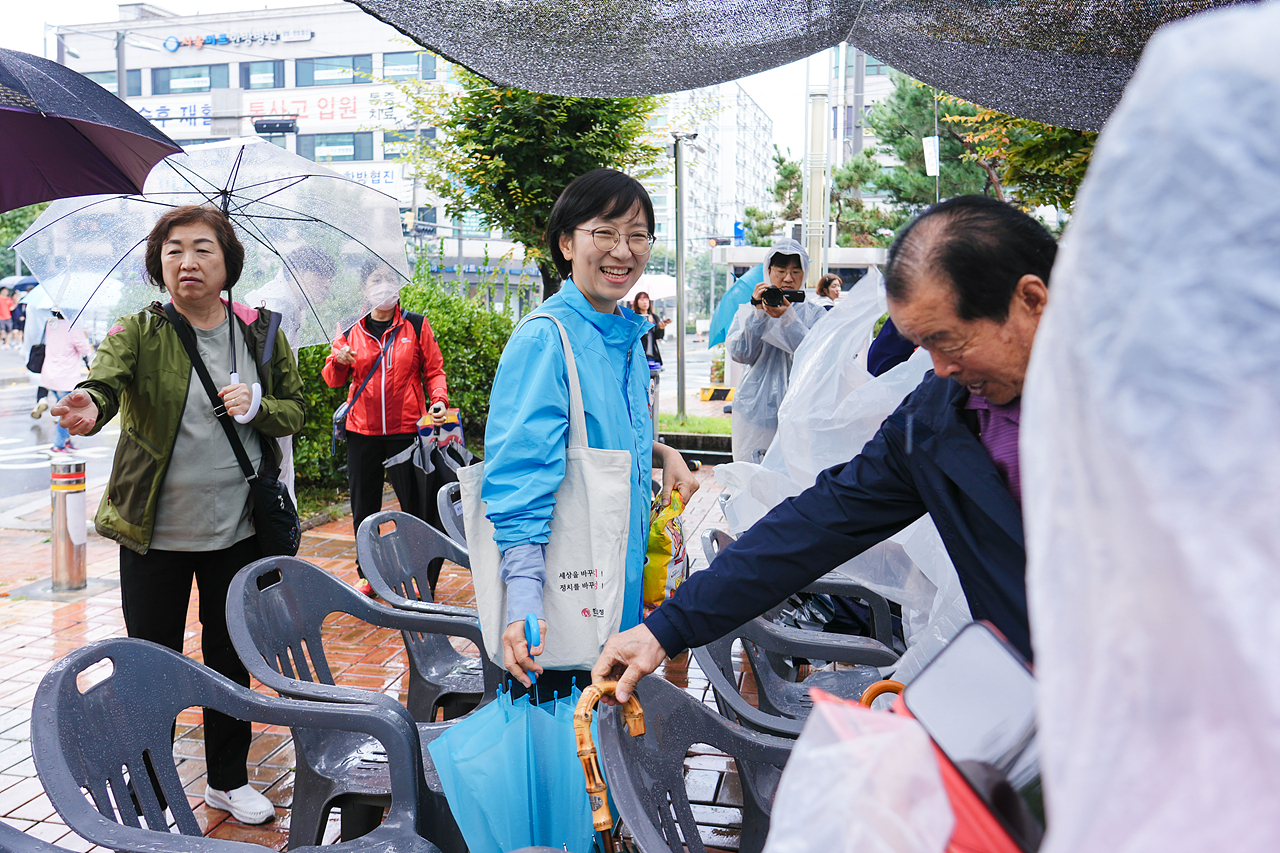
[773,296]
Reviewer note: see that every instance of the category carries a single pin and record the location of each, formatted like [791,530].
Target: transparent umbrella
[310,237]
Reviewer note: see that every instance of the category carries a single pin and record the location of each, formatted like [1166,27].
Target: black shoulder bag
[35,358]
[275,519]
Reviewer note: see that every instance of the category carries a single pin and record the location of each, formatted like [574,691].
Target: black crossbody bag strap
[372,371]
[220,410]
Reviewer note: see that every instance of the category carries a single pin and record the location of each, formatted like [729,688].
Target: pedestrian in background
[6,316]
[828,291]
[66,349]
[396,351]
[644,309]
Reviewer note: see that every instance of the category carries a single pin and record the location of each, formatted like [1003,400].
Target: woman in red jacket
[383,420]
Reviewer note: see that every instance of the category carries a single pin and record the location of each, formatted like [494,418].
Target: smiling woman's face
[605,277]
[195,269]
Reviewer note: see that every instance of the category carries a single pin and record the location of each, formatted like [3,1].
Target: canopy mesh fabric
[1064,62]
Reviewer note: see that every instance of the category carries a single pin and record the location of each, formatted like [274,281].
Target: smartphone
[976,699]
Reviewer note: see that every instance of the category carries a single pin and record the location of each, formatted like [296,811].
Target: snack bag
[667,562]
[450,431]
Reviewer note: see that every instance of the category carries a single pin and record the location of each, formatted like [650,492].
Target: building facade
[729,163]
[204,78]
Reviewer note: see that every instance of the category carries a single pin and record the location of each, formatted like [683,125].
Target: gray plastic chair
[14,840]
[646,773]
[396,550]
[784,703]
[104,755]
[449,505]
[276,608]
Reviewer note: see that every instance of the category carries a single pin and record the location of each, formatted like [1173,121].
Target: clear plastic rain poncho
[832,408]
[1151,462]
[765,346]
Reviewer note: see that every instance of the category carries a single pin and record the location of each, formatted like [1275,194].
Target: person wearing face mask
[763,336]
[399,349]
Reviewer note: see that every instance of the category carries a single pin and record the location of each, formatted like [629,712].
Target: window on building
[332,147]
[107,80]
[189,78]
[335,70]
[262,75]
[414,64]
[397,143]
[875,66]
[194,143]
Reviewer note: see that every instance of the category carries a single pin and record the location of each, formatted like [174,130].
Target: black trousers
[155,589]
[365,475]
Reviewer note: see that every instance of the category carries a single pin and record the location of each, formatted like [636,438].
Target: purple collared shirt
[998,432]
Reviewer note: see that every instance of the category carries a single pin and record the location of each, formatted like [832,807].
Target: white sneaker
[39,408]
[245,804]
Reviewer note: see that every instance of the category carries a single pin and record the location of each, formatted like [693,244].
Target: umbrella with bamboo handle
[597,790]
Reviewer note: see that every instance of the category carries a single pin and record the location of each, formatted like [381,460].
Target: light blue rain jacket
[528,428]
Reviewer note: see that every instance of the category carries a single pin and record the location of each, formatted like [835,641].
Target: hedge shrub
[471,338]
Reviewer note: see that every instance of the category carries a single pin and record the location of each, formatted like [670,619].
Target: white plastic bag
[1151,461]
[860,781]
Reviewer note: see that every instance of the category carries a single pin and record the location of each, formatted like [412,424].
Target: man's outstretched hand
[627,658]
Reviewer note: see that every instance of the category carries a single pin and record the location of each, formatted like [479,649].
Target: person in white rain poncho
[764,336]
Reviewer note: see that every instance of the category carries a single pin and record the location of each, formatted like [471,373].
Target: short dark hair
[982,246]
[601,192]
[191,214]
[825,283]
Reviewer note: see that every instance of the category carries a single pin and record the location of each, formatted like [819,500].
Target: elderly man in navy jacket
[968,280]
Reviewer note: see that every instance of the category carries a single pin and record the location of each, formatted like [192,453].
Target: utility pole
[122,78]
[681,225]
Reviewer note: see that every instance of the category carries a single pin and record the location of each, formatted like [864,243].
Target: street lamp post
[681,228]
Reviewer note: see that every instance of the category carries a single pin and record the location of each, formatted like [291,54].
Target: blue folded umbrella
[512,776]
[738,293]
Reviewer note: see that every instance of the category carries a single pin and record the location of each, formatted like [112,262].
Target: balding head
[980,246]
[968,280]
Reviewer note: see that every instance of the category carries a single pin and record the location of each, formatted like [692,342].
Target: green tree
[1040,163]
[900,122]
[12,224]
[858,223]
[758,226]
[788,189]
[508,153]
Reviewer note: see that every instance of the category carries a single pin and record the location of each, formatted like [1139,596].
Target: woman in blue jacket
[599,234]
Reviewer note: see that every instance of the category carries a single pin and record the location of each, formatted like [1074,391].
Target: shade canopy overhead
[1063,62]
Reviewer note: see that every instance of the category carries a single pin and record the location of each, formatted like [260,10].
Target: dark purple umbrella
[63,135]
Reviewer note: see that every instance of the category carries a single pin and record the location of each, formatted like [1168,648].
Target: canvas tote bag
[586,554]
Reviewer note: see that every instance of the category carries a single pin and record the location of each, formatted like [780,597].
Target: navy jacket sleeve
[850,508]
[888,350]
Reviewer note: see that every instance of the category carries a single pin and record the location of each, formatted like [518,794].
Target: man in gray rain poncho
[763,336]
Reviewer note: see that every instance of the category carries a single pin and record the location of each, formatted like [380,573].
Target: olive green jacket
[142,371]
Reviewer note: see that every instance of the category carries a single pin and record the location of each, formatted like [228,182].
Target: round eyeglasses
[607,239]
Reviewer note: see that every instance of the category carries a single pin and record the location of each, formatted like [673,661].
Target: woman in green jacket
[177,501]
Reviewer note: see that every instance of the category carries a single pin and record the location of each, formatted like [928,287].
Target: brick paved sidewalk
[36,631]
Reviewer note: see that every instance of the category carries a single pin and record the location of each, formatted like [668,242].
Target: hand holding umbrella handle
[597,791]
[532,636]
[253,405]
